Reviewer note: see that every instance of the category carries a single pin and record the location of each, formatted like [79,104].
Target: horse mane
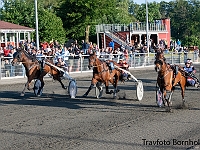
[158,61]
[31,57]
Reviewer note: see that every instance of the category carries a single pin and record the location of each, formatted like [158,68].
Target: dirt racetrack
[54,121]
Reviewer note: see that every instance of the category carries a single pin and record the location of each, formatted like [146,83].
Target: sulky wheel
[72,89]
[139,90]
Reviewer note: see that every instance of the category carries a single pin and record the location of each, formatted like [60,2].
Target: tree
[79,16]
[50,27]
[184,20]
[139,11]
[18,12]
[23,12]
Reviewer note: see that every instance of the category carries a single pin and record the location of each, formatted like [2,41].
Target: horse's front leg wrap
[168,95]
[89,89]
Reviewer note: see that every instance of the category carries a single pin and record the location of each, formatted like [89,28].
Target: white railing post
[172,58]
[0,68]
[81,62]
[134,59]
[193,56]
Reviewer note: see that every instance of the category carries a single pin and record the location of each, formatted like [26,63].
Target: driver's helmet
[188,61]
[59,57]
[121,57]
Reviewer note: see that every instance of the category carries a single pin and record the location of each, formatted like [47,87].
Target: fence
[80,64]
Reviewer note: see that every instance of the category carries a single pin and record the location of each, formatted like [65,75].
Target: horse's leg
[63,86]
[94,81]
[25,86]
[100,88]
[164,97]
[168,96]
[114,83]
[182,85]
[42,85]
[56,76]
[107,90]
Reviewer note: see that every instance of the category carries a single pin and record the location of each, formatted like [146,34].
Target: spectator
[126,54]
[62,64]
[112,44]
[6,52]
[71,59]
[84,47]
[77,59]
[115,53]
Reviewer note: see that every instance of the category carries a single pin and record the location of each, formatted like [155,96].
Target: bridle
[96,66]
[166,71]
[18,56]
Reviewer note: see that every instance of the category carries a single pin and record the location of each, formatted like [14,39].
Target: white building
[13,34]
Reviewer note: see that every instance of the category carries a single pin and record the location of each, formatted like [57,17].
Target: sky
[144,1]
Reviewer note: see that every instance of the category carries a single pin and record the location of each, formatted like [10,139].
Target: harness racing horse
[34,70]
[102,74]
[167,80]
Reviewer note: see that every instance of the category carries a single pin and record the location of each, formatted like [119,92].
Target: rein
[165,74]
[98,65]
[32,64]
[104,70]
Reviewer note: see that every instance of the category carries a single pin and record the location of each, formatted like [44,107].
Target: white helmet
[188,61]
[59,57]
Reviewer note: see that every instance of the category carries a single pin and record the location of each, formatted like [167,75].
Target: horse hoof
[101,93]
[84,95]
[22,94]
[115,97]
[64,87]
[184,106]
[168,109]
[111,91]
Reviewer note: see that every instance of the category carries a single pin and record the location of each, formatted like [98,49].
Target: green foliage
[59,19]
[22,12]
[139,11]
[184,20]
[50,27]
[77,15]
[18,12]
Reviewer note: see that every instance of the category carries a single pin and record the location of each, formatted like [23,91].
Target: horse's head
[17,57]
[158,64]
[92,60]
[160,55]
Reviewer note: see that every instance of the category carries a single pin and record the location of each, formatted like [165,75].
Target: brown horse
[168,78]
[102,74]
[35,70]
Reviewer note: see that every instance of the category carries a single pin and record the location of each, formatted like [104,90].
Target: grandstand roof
[11,26]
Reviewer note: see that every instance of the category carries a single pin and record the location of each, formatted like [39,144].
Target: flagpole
[36,24]
[147,29]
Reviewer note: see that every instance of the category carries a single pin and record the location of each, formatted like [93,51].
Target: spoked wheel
[98,90]
[159,96]
[37,87]
[140,90]
[72,89]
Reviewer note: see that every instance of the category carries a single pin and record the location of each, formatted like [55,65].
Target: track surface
[54,121]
